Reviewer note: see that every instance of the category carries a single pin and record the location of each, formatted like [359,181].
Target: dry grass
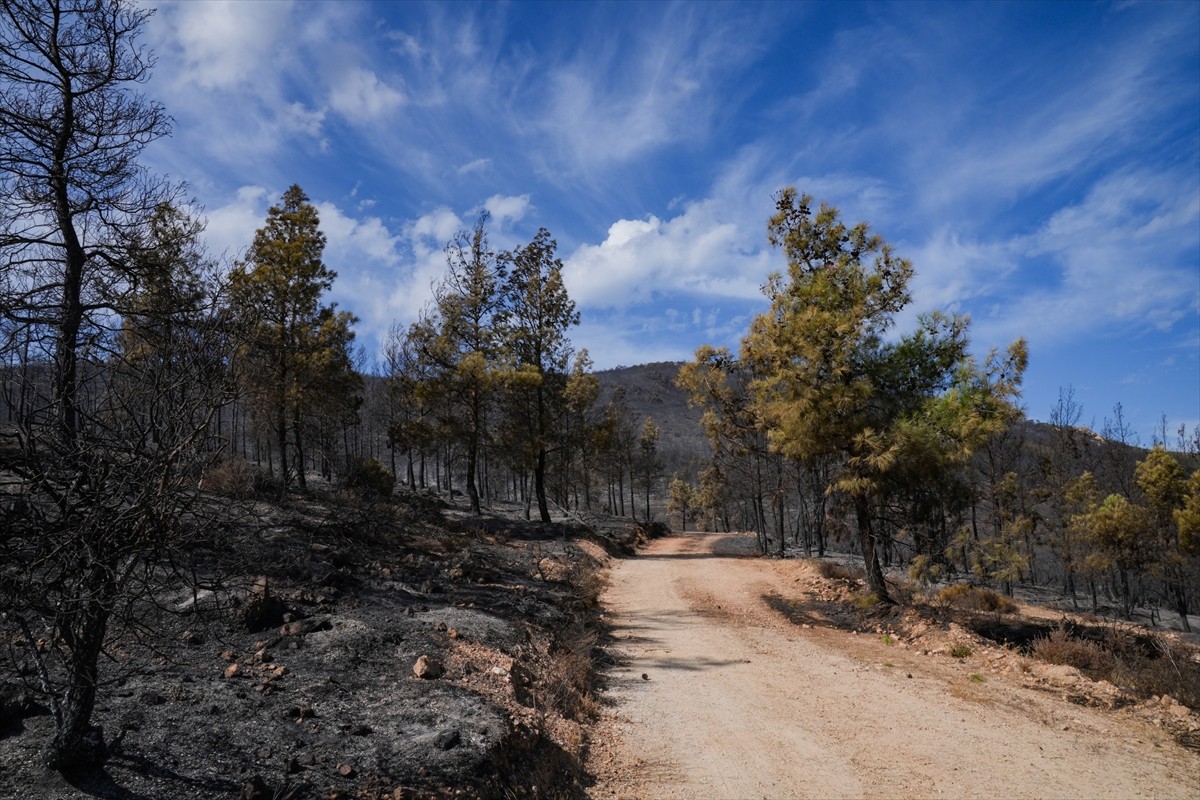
[1083,654]
[975,598]
[865,602]
[1144,664]
[568,684]
[232,477]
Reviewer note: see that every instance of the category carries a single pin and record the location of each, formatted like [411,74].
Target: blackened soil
[283,665]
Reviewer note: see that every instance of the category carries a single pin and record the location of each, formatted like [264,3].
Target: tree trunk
[281,435]
[539,485]
[76,742]
[866,535]
[299,437]
[472,465]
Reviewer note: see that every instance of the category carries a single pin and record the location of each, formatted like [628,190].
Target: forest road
[738,702]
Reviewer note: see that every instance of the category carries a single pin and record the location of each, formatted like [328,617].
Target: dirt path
[737,702]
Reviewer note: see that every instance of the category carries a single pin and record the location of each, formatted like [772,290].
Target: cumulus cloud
[505,209]
[696,253]
[360,96]
[231,225]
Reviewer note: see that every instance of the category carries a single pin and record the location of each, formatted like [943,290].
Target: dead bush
[233,477]
[567,687]
[369,478]
[1145,665]
[1171,669]
[975,598]
[1060,647]
[838,572]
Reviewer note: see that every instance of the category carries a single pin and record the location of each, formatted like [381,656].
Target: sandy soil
[716,695]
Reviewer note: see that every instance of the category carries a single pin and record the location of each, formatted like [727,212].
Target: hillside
[650,392]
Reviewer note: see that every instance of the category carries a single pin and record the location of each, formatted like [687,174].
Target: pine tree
[647,460]
[828,382]
[539,314]
[296,350]
[1162,482]
[464,341]
[111,429]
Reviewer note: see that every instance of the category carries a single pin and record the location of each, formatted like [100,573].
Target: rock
[291,766]
[1180,711]
[448,739]
[345,770]
[428,668]
[191,639]
[522,685]
[233,670]
[262,612]
[452,633]
[360,730]
[256,789]
[645,677]
[303,627]
[440,626]
[300,713]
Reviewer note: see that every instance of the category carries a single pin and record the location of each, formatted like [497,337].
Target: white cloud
[226,44]
[360,96]
[1121,261]
[611,104]
[231,226]
[434,229]
[702,252]
[478,165]
[505,209]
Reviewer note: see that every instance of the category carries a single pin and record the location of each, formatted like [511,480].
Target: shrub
[960,651]
[975,598]
[568,682]
[1083,654]
[835,571]
[233,477]
[370,478]
[1144,664]
[866,601]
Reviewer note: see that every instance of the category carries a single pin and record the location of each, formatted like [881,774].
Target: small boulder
[448,739]
[428,668]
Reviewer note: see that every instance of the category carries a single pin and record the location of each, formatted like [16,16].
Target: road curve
[716,695]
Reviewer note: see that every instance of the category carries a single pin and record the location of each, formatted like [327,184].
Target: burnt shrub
[975,598]
[369,477]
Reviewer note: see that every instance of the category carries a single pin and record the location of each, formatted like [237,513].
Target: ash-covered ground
[340,648]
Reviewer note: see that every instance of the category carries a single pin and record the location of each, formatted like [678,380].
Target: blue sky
[1038,162]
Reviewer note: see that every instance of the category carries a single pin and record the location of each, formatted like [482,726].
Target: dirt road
[718,696]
